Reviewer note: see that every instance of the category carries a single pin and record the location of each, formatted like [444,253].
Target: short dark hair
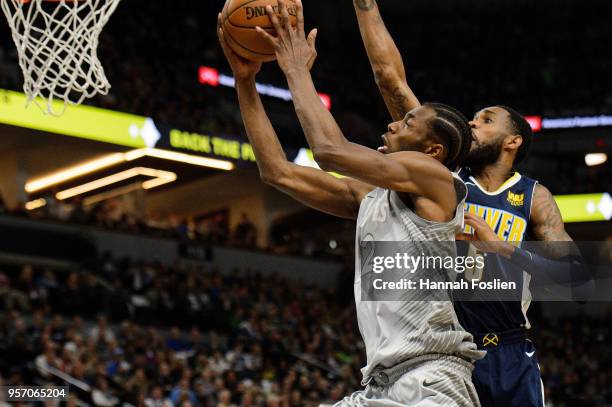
[454,128]
[519,125]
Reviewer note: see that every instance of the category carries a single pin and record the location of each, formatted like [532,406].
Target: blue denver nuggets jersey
[507,211]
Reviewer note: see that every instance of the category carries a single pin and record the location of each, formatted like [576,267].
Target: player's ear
[514,142]
[437,151]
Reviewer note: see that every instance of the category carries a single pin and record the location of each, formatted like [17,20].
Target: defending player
[404,192]
[512,204]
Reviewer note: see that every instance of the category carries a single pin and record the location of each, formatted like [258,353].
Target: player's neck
[492,177]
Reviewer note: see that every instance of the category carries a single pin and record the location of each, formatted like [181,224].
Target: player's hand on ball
[294,51]
[242,68]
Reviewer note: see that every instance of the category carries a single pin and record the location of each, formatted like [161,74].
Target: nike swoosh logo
[427,383]
[530,354]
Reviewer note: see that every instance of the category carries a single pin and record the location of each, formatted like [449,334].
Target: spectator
[102,395]
[245,234]
[157,399]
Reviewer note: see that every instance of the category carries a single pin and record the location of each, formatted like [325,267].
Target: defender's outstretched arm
[386,60]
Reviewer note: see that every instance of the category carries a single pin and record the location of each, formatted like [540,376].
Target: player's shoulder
[460,181]
[527,180]
[541,192]
[464,173]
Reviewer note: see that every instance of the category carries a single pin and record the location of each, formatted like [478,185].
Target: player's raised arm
[386,60]
[312,187]
[418,172]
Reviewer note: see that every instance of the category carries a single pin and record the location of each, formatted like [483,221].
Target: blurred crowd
[205,340]
[304,234]
[159,336]
[576,360]
[118,214]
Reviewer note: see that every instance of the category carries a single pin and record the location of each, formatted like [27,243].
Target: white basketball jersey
[394,331]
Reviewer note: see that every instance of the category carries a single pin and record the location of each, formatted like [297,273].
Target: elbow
[386,74]
[271,179]
[326,158]
[277,178]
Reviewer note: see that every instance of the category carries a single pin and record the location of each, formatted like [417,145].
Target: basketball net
[57,45]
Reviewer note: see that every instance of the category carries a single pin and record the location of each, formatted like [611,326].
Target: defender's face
[489,126]
[410,133]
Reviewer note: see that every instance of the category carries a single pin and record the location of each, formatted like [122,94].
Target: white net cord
[57,44]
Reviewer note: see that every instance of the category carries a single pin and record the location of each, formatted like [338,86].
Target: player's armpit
[320,190]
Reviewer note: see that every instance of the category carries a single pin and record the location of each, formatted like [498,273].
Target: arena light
[93,199]
[160,177]
[110,160]
[208,76]
[35,204]
[539,123]
[189,159]
[577,122]
[74,172]
[212,77]
[535,122]
[594,159]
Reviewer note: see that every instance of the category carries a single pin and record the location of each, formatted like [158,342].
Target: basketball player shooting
[515,206]
[405,191]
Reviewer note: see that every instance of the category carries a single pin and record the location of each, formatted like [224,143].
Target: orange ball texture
[240,17]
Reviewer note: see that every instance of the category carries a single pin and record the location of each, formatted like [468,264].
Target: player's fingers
[282,8]
[300,17]
[220,36]
[224,47]
[274,20]
[464,236]
[474,219]
[267,37]
[472,222]
[473,216]
[312,39]
[219,26]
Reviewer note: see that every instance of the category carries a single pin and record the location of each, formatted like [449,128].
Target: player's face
[489,125]
[489,130]
[409,134]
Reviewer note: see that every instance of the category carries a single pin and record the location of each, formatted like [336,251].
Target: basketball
[240,17]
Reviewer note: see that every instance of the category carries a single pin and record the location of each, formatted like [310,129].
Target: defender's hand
[294,52]
[242,68]
[484,238]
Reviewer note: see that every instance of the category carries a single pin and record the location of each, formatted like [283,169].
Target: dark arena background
[207,287]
